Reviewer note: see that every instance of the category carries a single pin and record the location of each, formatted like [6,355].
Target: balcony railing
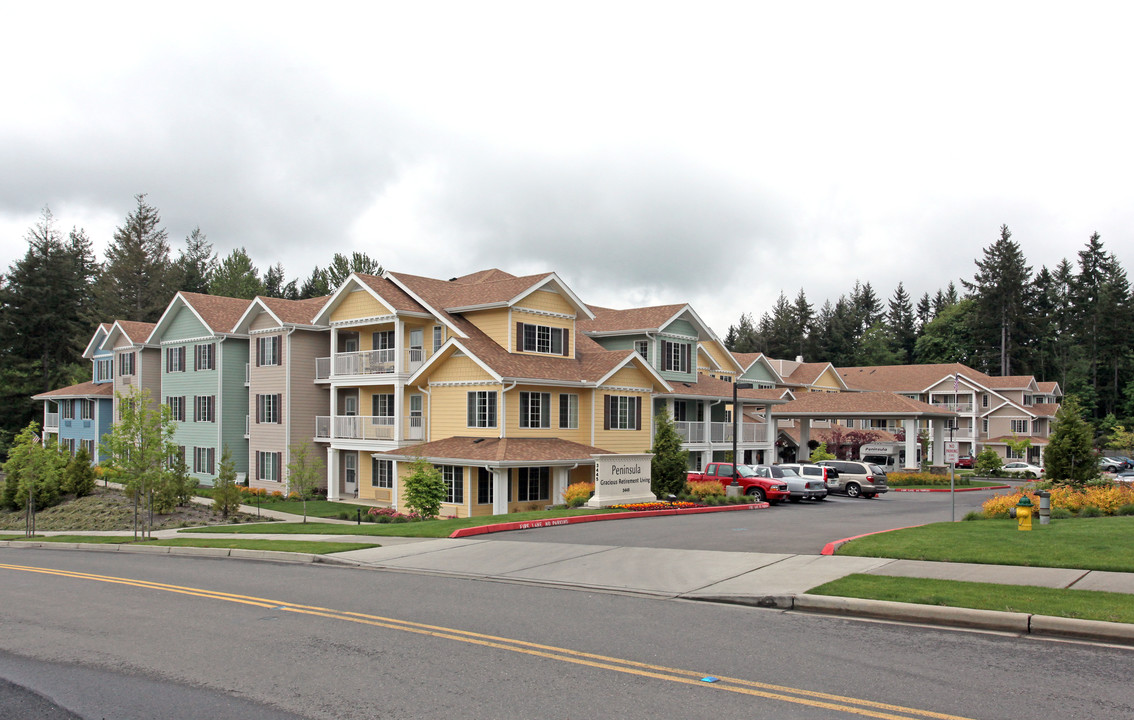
[51,422]
[366,362]
[961,407]
[322,368]
[721,432]
[354,427]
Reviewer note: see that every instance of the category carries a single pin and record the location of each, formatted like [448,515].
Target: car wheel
[756,494]
[1111,468]
[853,490]
[1032,476]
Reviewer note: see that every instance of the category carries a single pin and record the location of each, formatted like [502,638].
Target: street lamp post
[736,428]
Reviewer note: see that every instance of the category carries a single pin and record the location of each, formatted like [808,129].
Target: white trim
[466,383]
[373,319]
[205,338]
[546,313]
[692,338]
[618,388]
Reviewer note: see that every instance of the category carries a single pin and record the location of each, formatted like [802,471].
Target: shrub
[1060,513]
[578,493]
[974,515]
[277,495]
[424,489]
[988,463]
[1105,499]
[1127,509]
[1090,511]
[703,489]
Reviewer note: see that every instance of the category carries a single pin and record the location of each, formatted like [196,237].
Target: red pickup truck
[751,484]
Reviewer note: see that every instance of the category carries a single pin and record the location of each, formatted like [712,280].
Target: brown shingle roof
[87,389]
[220,313]
[296,312]
[1047,388]
[865,403]
[136,332]
[648,318]
[445,295]
[391,293]
[710,387]
[904,378]
[489,275]
[501,451]
[1044,409]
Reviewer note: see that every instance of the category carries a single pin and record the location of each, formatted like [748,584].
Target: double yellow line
[809,698]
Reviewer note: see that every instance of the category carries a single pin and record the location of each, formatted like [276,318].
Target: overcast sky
[648,153]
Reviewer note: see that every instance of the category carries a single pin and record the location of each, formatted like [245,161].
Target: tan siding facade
[494,324]
[358,304]
[546,301]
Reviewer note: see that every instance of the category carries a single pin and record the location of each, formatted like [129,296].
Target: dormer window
[675,356]
[543,339]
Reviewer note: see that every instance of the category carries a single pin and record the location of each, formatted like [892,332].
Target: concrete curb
[831,547]
[629,515]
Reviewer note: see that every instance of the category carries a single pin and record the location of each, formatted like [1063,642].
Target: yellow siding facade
[493,323]
[358,304]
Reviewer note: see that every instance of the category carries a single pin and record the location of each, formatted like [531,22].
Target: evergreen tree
[79,476]
[196,263]
[341,267]
[227,495]
[1002,310]
[948,337]
[924,313]
[315,285]
[33,469]
[137,280]
[236,277]
[274,285]
[1102,311]
[670,463]
[804,315]
[901,324]
[866,306]
[1070,456]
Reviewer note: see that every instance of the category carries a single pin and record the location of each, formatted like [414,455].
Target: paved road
[330,642]
[798,528]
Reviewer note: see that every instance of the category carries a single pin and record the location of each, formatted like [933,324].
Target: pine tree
[1101,308]
[924,313]
[274,285]
[315,285]
[1070,456]
[236,277]
[1002,311]
[196,263]
[137,280]
[804,315]
[341,267]
[901,324]
[670,463]
[227,494]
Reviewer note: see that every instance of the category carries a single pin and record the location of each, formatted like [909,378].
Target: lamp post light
[736,428]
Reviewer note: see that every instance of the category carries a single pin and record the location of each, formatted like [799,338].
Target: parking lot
[798,528]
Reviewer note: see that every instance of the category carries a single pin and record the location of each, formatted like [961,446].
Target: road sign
[952,451]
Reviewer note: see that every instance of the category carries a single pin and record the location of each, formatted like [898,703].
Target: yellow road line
[855,706]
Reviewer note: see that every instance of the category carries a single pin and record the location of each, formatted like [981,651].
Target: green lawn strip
[1056,602]
[1105,543]
[315,547]
[429,528]
[315,508]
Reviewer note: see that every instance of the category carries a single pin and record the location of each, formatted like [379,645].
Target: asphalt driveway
[797,528]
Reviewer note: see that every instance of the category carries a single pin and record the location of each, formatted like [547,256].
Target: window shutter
[606,412]
[685,358]
[519,336]
[566,342]
[637,413]
[471,409]
[259,350]
[259,414]
[545,410]
[279,408]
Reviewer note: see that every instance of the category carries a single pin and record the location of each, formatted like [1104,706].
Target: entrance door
[350,473]
[350,405]
[416,430]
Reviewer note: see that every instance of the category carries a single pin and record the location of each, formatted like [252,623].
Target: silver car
[799,487]
[820,477]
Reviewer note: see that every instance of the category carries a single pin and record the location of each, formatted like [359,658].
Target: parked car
[965,462]
[751,484]
[1126,459]
[1126,478]
[1111,465]
[812,473]
[1023,469]
[800,487]
[857,478]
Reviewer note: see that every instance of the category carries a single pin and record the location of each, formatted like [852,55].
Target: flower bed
[656,506]
[1108,499]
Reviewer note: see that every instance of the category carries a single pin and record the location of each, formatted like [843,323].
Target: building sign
[621,479]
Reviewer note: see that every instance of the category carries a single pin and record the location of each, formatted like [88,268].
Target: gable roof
[709,387]
[906,378]
[499,452]
[284,312]
[870,404]
[97,339]
[135,332]
[217,313]
[491,290]
[388,294]
[804,374]
[82,390]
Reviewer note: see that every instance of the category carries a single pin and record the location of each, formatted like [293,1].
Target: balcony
[721,432]
[960,407]
[51,422]
[366,362]
[354,427]
[247,374]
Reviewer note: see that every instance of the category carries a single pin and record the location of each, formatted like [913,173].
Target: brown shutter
[259,349]
[519,336]
[258,406]
[606,412]
[637,413]
[279,466]
[566,342]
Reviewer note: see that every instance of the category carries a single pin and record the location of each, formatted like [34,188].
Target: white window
[175,359]
[88,445]
[176,405]
[454,478]
[535,410]
[382,474]
[622,412]
[203,460]
[204,408]
[104,370]
[382,406]
[438,338]
[543,339]
[205,357]
[1019,426]
[675,356]
[268,465]
[268,350]
[268,408]
[984,425]
[534,484]
[481,410]
[67,409]
[642,347]
[382,340]
[568,411]
[126,364]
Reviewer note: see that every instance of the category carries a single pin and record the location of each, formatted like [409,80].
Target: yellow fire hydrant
[1023,513]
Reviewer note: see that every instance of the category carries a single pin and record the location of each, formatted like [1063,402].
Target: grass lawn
[1105,543]
[1082,604]
[428,528]
[315,508]
[315,547]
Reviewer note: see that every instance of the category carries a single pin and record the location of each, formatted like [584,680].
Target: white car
[1023,469]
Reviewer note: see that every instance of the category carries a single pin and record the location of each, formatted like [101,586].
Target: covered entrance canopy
[898,411]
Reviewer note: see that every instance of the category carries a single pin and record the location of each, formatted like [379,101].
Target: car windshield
[788,472]
[746,471]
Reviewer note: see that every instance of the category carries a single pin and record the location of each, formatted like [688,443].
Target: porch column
[939,442]
[803,454]
[910,425]
[400,345]
[500,477]
[333,475]
[770,422]
[331,370]
[559,477]
[707,426]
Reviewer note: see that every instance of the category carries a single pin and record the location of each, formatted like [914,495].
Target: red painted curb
[967,489]
[831,547]
[554,522]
